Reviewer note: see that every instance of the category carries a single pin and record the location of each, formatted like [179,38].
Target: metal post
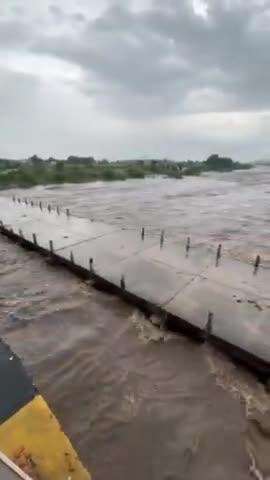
[67,212]
[143,232]
[188,246]
[163,323]
[257,264]
[40,205]
[218,256]
[51,247]
[34,239]
[71,257]
[123,283]
[91,265]
[162,238]
[209,325]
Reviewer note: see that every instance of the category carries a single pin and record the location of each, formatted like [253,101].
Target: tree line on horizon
[77,169]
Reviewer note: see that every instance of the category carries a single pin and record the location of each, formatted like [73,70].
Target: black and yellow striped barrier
[30,435]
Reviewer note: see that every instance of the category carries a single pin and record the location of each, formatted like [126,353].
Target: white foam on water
[150,330]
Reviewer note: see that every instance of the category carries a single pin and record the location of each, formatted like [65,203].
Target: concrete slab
[236,319]
[233,273]
[49,224]
[151,281]
[62,231]
[107,250]
[11,213]
[173,254]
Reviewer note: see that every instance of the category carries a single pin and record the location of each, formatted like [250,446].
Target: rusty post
[123,283]
[164,319]
[218,256]
[143,232]
[188,244]
[34,239]
[162,238]
[209,325]
[257,264]
[51,247]
[91,265]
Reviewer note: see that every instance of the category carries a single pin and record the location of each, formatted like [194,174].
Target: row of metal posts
[256,264]
[209,324]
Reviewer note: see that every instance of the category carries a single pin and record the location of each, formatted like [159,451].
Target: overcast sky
[118,79]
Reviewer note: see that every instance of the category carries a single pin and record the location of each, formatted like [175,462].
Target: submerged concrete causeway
[194,288]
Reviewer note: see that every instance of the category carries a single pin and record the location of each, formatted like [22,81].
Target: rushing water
[139,403]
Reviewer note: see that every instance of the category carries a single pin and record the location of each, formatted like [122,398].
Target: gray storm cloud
[164,65]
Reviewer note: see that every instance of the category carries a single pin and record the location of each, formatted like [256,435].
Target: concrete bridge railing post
[34,239]
[72,257]
[142,233]
[123,283]
[51,247]
[162,236]
[257,264]
[91,265]
[209,325]
[218,255]
[188,245]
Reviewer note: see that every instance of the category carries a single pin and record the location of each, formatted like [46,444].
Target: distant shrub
[135,172]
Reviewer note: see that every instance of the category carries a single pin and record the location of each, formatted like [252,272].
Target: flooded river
[139,403]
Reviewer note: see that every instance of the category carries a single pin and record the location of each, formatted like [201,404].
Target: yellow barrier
[32,438]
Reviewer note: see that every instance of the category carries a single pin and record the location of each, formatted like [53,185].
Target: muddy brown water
[138,402]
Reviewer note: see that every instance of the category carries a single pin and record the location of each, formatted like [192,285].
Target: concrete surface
[188,287]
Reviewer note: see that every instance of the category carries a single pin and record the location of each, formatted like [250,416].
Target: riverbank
[35,171]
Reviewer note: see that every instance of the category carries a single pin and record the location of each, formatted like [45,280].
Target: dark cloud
[78,17]
[56,11]
[15,32]
[153,64]
[167,54]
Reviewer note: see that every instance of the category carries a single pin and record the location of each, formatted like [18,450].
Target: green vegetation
[36,171]
[214,163]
